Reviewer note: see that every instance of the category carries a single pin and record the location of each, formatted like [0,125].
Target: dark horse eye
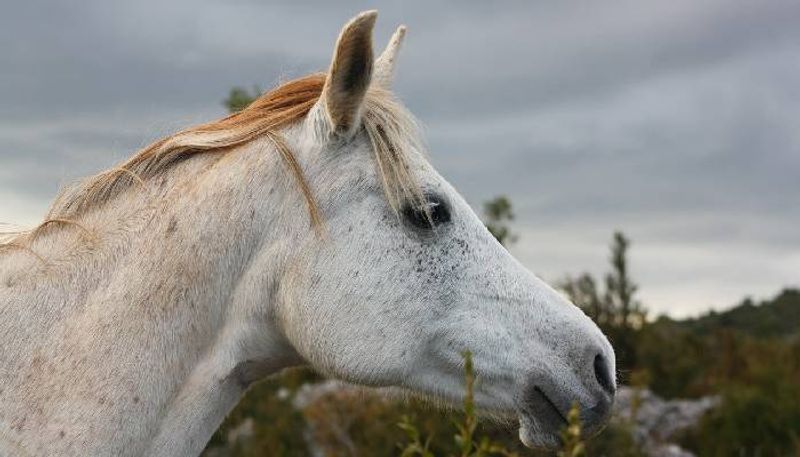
[437,213]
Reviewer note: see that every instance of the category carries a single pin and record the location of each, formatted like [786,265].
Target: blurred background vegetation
[749,356]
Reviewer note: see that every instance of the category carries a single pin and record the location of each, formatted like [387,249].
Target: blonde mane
[390,128]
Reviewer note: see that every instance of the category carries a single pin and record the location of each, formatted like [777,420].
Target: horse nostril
[603,374]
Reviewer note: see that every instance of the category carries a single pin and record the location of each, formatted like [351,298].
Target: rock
[656,420]
[667,450]
[310,393]
[242,432]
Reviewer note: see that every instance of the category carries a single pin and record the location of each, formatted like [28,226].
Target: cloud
[678,122]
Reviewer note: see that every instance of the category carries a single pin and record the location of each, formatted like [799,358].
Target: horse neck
[159,318]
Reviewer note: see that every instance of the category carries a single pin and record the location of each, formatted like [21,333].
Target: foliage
[498,214]
[275,423]
[571,440]
[620,289]
[616,440]
[760,412]
[239,98]
[674,360]
[748,354]
[698,357]
[464,439]
[583,292]
[777,317]
[351,422]
[757,377]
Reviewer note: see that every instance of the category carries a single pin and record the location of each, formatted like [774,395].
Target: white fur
[139,339]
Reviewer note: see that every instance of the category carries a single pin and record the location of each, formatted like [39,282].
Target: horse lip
[540,419]
[547,401]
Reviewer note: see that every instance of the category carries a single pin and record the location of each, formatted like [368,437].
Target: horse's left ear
[350,74]
[384,66]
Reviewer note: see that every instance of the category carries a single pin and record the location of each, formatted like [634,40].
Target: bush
[760,411]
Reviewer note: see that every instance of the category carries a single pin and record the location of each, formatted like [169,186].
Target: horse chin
[534,437]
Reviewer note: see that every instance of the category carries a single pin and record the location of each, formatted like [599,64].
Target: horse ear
[384,66]
[350,74]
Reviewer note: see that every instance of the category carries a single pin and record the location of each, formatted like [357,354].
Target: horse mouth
[541,420]
[552,406]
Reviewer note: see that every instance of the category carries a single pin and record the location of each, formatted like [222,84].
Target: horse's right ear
[350,74]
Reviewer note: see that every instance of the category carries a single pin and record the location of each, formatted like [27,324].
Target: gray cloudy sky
[676,121]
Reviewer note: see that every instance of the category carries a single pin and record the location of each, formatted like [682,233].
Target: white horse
[307,229]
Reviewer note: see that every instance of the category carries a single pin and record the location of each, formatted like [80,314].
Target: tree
[498,213]
[584,293]
[239,98]
[616,310]
[620,289]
